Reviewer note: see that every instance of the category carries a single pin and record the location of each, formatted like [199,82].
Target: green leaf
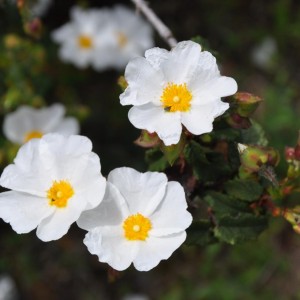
[244,189]
[156,160]
[224,204]
[173,152]
[208,166]
[200,233]
[241,228]
[254,135]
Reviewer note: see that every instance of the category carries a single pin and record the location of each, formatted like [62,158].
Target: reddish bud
[34,28]
[246,103]
[289,153]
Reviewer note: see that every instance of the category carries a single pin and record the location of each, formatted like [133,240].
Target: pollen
[59,193]
[136,227]
[176,97]
[85,42]
[122,39]
[34,134]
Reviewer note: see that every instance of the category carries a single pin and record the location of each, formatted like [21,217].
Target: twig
[160,27]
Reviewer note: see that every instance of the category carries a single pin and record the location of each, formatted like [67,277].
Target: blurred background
[258,44]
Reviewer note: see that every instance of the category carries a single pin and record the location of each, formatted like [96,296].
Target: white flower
[131,34]
[84,39]
[28,122]
[142,219]
[171,89]
[53,180]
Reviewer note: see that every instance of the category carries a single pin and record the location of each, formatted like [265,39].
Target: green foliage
[240,228]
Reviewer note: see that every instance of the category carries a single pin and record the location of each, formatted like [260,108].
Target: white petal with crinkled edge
[145,82]
[171,215]
[155,249]
[23,211]
[200,118]
[180,66]
[110,246]
[156,56]
[142,191]
[111,211]
[57,224]
[155,119]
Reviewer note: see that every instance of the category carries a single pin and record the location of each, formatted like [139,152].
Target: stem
[160,27]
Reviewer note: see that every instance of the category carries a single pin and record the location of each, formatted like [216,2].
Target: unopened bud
[289,153]
[246,103]
[34,28]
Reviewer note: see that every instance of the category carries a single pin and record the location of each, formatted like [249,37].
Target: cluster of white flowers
[56,179]
[103,38]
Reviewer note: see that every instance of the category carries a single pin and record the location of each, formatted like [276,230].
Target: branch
[160,27]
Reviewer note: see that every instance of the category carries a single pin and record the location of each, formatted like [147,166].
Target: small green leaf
[241,228]
[244,189]
[224,204]
[156,160]
[254,135]
[200,233]
[173,152]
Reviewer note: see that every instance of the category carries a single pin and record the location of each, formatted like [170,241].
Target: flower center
[34,134]
[176,97]
[59,193]
[85,42]
[122,39]
[136,227]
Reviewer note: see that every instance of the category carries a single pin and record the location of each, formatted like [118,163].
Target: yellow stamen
[59,193]
[85,42]
[176,97]
[122,39]
[136,227]
[34,134]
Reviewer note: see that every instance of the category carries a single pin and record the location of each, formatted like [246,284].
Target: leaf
[254,135]
[156,160]
[241,228]
[224,204]
[207,165]
[200,233]
[173,152]
[244,189]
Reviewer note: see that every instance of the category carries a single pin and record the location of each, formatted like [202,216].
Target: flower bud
[147,139]
[289,154]
[246,103]
[238,122]
[34,28]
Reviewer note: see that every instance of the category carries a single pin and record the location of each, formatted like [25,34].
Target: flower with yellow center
[84,40]
[28,123]
[55,179]
[169,90]
[142,220]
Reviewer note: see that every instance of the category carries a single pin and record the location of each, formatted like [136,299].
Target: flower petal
[171,215]
[111,211]
[156,56]
[23,211]
[155,249]
[67,126]
[145,83]
[111,247]
[167,125]
[58,224]
[183,59]
[142,191]
[200,118]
